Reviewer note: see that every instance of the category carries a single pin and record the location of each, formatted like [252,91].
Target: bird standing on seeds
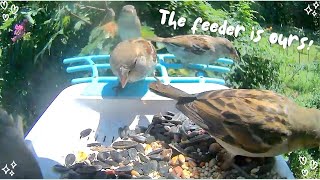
[198,49]
[248,122]
[133,60]
[129,26]
[13,148]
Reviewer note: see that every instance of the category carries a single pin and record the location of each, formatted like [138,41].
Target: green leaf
[66,21]
[7,24]
[77,26]
[30,19]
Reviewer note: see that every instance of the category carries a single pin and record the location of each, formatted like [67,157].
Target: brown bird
[14,154]
[110,27]
[129,26]
[248,122]
[198,49]
[133,60]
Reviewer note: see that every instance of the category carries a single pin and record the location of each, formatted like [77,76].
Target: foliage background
[32,73]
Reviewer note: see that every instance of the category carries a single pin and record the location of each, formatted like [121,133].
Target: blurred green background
[32,73]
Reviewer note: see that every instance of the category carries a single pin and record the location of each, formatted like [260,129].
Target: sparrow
[110,27]
[15,155]
[248,122]
[198,49]
[129,26]
[133,60]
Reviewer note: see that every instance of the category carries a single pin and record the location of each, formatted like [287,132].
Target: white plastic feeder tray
[91,103]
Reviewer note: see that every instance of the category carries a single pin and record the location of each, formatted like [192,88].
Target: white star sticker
[11,173]
[308,9]
[314,14]
[13,164]
[316,4]
[5,169]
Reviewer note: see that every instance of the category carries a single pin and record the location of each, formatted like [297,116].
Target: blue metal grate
[89,63]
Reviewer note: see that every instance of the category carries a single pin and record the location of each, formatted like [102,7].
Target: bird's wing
[252,120]
[147,48]
[193,43]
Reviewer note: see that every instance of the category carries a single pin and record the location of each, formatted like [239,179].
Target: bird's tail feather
[170,91]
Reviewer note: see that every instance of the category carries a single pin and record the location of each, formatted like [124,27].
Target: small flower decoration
[19,30]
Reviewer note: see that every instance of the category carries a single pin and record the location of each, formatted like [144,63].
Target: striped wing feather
[254,120]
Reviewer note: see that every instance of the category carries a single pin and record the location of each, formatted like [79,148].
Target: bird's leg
[229,162]
[117,88]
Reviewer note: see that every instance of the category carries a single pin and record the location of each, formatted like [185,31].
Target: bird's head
[128,10]
[229,50]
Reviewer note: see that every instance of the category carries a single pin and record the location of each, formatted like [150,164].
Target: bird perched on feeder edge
[133,60]
[129,26]
[198,49]
[14,149]
[248,122]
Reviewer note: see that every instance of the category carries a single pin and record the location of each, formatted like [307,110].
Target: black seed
[124,144]
[85,133]
[153,165]
[70,159]
[150,139]
[124,169]
[157,151]
[140,148]
[143,158]
[170,113]
[137,166]
[133,154]
[167,117]
[124,153]
[140,139]
[102,164]
[94,145]
[116,156]
[146,168]
[168,124]
[103,156]
[111,162]
[156,157]
[126,162]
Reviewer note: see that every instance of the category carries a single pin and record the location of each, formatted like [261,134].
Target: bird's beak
[235,56]
[123,75]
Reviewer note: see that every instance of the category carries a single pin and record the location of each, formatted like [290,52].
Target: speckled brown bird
[133,60]
[110,27]
[198,49]
[248,122]
[129,26]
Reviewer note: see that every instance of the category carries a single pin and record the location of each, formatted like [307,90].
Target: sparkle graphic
[13,164]
[314,14]
[316,5]
[308,9]
[11,173]
[5,169]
